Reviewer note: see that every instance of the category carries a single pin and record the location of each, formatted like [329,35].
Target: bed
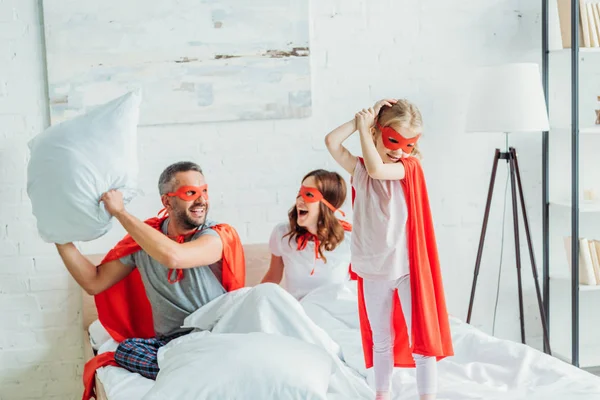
[484,367]
[257,262]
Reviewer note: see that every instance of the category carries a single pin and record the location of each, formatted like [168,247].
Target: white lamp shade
[507,98]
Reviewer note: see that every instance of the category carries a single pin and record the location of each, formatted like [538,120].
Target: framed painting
[195,60]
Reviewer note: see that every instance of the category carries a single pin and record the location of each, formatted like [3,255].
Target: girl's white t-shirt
[379,246]
[298,264]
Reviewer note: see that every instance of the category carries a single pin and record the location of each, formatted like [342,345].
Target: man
[181,265]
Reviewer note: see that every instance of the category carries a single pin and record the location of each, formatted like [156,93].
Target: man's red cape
[430,326]
[124,309]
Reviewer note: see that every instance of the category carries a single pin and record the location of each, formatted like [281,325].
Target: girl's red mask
[393,140]
[313,195]
[190,193]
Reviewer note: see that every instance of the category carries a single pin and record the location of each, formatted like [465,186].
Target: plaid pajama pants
[140,355]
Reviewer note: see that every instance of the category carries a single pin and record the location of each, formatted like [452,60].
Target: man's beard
[187,222]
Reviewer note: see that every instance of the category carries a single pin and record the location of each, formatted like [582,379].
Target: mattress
[484,367]
[120,384]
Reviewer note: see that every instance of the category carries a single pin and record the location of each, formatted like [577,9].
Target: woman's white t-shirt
[298,264]
[379,246]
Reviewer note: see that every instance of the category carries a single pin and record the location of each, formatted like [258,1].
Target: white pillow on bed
[98,334]
[206,365]
[73,163]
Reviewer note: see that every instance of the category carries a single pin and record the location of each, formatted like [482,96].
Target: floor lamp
[509,98]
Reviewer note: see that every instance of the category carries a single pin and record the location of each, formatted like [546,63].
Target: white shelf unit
[584,206]
[589,130]
[561,298]
[570,92]
[560,322]
[562,280]
[582,50]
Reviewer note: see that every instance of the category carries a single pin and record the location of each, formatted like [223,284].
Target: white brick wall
[425,50]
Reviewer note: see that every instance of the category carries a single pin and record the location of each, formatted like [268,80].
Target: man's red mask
[190,193]
[313,195]
[393,140]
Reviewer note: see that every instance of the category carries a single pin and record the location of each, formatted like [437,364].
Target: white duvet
[483,367]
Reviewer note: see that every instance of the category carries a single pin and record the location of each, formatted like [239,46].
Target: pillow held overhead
[73,163]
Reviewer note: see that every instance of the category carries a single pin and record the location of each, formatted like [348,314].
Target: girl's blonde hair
[402,113]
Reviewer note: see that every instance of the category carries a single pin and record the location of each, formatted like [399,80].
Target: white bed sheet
[120,384]
[483,367]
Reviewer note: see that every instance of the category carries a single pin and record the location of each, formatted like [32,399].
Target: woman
[312,249]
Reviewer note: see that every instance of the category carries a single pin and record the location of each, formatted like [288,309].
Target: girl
[313,248]
[393,247]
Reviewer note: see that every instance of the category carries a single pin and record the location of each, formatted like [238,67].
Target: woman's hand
[365,119]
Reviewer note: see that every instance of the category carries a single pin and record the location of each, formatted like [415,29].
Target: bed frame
[257,262]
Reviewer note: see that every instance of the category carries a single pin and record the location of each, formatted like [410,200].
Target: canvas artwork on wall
[195,60]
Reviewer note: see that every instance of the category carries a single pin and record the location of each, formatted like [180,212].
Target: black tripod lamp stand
[509,98]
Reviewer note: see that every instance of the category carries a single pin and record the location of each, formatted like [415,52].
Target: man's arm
[92,279]
[206,250]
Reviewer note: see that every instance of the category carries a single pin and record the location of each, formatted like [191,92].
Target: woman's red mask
[190,193]
[313,195]
[393,140]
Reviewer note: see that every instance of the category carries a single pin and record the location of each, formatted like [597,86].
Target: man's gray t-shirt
[172,303]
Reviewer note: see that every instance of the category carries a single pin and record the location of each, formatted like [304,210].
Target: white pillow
[73,163]
[234,366]
[98,334]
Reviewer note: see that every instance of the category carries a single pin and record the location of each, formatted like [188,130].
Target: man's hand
[385,102]
[113,202]
[365,119]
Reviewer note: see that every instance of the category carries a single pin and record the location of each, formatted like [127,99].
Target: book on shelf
[586,23]
[597,15]
[593,31]
[589,22]
[564,17]
[595,260]
[589,274]
[595,8]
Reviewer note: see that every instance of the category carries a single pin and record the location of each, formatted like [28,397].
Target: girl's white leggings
[379,296]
